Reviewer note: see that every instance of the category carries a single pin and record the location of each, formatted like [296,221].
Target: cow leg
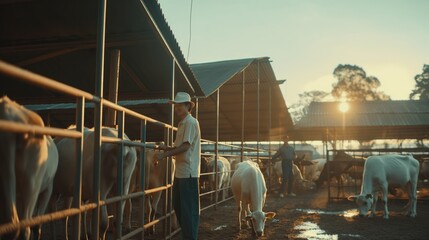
[104,221]
[127,214]
[412,194]
[148,208]
[28,204]
[385,193]
[67,205]
[8,183]
[42,204]
[155,202]
[239,208]
[374,205]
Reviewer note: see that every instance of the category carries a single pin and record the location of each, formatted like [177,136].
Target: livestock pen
[78,208]
[146,42]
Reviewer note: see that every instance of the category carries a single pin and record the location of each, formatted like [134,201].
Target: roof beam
[116,40]
[133,76]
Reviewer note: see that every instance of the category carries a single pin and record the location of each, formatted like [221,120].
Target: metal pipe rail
[51,84]
[45,82]
[9,126]
[234,146]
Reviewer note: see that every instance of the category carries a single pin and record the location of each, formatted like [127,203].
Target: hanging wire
[190,30]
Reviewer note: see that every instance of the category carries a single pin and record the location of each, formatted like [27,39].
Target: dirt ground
[306,216]
[309,216]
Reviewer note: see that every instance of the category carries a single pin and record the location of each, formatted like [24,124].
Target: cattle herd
[37,170]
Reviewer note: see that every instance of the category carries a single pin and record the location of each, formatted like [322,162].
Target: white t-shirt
[188,163]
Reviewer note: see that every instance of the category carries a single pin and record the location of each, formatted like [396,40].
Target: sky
[306,39]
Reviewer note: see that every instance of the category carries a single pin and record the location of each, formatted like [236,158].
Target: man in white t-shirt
[187,149]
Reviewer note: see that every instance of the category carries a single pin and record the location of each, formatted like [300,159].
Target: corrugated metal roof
[64,49]
[371,113]
[365,120]
[213,75]
[227,76]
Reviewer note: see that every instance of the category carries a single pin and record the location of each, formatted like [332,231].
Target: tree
[421,90]
[299,109]
[356,85]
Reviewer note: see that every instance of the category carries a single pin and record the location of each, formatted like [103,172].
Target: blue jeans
[186,204]
[287,176]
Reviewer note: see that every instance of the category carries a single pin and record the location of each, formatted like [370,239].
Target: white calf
[249,189]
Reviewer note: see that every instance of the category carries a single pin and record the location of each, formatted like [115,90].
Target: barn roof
[368,120]
[212,75]
[58,39]
[227,77]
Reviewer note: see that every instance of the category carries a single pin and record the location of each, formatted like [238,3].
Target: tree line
[354,84]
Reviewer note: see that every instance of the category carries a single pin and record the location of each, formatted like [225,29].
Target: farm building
[100,64]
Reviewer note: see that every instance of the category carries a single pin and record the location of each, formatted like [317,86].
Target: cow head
[364,203]
[258,219]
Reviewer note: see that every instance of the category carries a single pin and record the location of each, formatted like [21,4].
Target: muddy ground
[306,216]
[296,219]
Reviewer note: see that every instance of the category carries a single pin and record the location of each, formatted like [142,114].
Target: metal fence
[77,207]
[243,152]
[351,179]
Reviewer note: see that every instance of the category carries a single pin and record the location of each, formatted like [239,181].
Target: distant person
[186,201]
[287,154]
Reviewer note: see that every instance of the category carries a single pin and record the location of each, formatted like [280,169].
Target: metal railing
[78,208]
[214,190]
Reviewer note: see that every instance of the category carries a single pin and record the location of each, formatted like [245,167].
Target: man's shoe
[281,195]
[292,195]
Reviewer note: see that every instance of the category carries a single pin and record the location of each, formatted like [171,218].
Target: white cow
[223,176]
[154,177]
[299,180]
[64,179]
[312,172]
[236,160]
[381,172]
[249,189]
[28,165]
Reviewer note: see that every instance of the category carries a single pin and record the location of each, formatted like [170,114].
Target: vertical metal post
[115,61]
[269,137]
[217,148]
[143,124]
[328,162]
[243,92]
[169,192]
[77,195]
[165,207]
[98,115]
[258,110]
[196,108]
[120,175]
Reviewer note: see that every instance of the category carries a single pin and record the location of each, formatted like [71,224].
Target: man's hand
[162,146]
[160,156]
